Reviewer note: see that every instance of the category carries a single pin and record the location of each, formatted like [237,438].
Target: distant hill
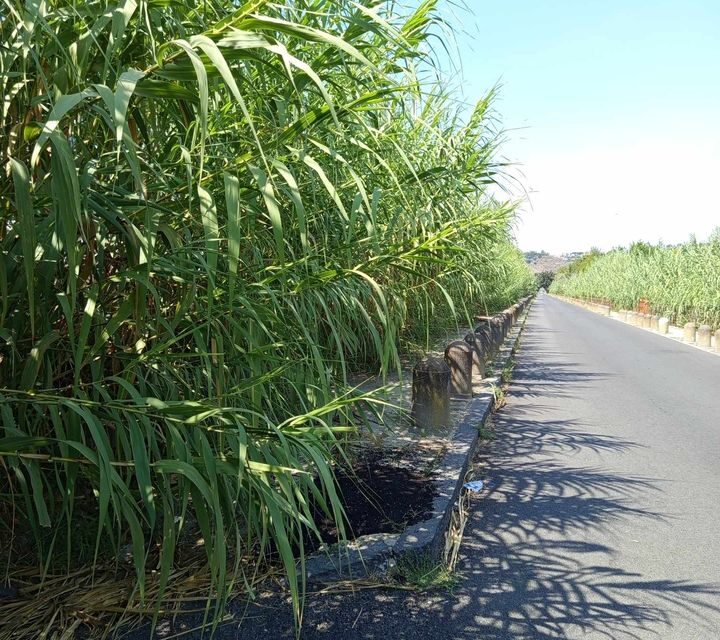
[540,261]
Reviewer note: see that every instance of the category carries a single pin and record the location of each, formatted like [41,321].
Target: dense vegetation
[212,214]
[681,282]
[544,279]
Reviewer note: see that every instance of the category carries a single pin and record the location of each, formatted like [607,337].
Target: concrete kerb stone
[459,357]
[431,392]
[704,336]
[428,537]
[483,333]
[376,552]
[689,331]
[478,358]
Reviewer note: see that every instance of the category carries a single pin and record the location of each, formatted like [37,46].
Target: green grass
[507,371]
[423,573]
[214,214]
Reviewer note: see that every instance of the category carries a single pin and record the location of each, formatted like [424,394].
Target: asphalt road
[602,511]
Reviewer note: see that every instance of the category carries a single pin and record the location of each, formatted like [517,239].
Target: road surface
[602,515]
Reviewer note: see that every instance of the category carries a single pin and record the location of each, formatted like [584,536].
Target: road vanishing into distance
[601,516]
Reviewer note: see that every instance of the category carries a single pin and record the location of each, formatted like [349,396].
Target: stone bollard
[478,360]
[482,331]
[508,315]
[717,341]
[459,357]
[704,333]
[689,332]
[501,320]
[431,393]
[496,333]
[485,330]
[655,323]
[664,325]
[647,320]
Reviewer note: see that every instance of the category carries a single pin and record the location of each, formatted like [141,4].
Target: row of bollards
[436,379]
[645,320]
[701,336]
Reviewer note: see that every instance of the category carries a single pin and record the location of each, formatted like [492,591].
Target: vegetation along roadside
[212,215]
[681,282]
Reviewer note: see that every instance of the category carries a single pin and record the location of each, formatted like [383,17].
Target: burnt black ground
[601,516]
[383,493]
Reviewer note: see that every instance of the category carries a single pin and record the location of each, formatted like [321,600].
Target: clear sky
[612,109]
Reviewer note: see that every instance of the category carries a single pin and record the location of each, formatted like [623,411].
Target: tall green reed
[212,214]
[681,282]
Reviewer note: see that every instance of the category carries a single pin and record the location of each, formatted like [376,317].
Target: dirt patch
[383,492]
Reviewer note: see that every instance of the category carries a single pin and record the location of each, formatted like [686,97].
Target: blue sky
[612,110]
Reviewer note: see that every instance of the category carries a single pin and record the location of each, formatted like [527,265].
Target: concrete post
[703,336]
[459,357]
[431,393]
[689,332]
[484,332]
[496,332]
[478,359]
[647,320]
[655,323]
[664,325]
[717,341]
[503,322]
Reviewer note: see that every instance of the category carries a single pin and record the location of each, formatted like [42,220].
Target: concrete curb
[376,553]
[633,319]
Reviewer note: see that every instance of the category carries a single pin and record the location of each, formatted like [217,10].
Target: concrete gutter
[376,553]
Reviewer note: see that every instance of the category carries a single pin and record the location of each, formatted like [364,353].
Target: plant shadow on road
[553,375]
[539,558]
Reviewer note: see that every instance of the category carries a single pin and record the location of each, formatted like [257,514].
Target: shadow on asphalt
[531,565]
[552,376]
